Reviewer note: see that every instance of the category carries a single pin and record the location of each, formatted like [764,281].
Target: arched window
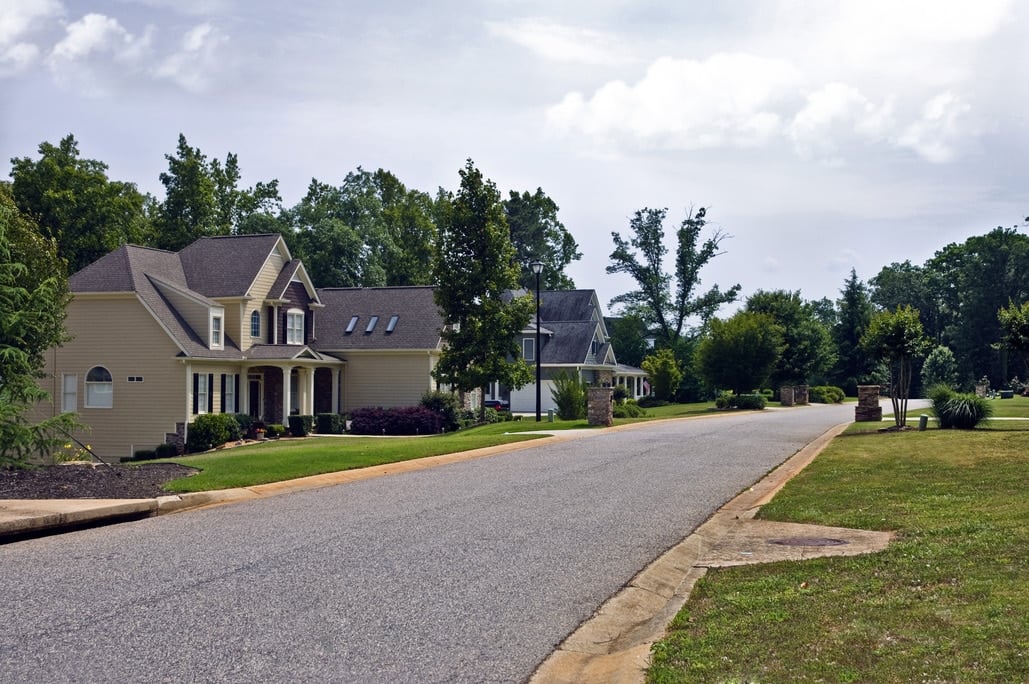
[255,324]
[99,388]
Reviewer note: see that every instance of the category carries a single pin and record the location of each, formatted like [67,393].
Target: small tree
[1014,329]
[897,338]
[940,368]
[739,353]
[664,373]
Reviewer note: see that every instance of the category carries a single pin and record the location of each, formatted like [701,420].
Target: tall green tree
[33,297]
[74,202]
[538,235]
[333,252]
[474,268]
[202,199]
[904,284]
[739,353]
[897,338]
[854,313]
[642,257]
[629,339]
[808,350]
[664,372]
[1014,331]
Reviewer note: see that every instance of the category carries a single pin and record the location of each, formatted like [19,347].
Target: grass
[946,602]
[278,460]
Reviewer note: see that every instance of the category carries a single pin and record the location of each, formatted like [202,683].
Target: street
[471,572]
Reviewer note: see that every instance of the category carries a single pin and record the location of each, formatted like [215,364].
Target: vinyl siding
[259,293]
[386,379]
[135,346]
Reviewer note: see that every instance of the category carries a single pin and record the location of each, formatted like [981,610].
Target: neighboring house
[225,325]
[390,339]
[574,340]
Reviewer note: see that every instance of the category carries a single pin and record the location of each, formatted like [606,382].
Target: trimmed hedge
[210,430]
[748,402]
[301,426]
[330,424]
[404,420]
[826,394]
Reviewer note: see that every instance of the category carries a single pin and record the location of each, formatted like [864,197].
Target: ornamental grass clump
[960,411]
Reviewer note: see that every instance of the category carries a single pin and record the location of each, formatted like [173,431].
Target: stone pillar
[800,395]
[599,408]
[868,408]
[786,395]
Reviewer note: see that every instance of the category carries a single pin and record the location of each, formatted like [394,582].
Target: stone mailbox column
[600,407]
[868,408]
[800,397]
[786,395]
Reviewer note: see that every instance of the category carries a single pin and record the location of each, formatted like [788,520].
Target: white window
[99,388]
[294,326]
[255,324]
[69,393]
[528,349]
[229,393]
[216,332]
[203,393]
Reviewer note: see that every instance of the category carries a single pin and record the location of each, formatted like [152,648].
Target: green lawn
[946,602]
[278,460]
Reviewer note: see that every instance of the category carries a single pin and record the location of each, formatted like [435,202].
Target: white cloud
[936,135]
[197,60]
[17,20]
[561,43]
[833,117]
[725,100]
[98,34]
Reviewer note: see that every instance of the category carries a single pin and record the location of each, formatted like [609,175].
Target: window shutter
[223,394]
[196,391]
[210,393]
[236,393]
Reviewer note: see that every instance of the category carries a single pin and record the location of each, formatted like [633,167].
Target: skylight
[371,324]
[352,324]
[392,323]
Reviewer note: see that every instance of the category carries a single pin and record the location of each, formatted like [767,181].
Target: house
[573,340]
[389,338]
[225,325]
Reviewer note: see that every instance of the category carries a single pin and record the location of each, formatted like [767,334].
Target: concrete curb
[613,646]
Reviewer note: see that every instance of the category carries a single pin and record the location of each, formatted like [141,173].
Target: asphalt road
[471,572]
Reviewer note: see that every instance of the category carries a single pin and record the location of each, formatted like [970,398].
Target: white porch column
[335,390]
[308,409]
[286,398]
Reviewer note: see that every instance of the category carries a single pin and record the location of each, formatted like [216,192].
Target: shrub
[748,401]
[826,394]
[140,455]
[301,426]
[447,405]
[724,399]
[166,451]
[210,430]
[329,423]
[651,402]
[569,394]
[274,430]
[620,394]
[959,411]
[405,420]
[628,409]
[245,422]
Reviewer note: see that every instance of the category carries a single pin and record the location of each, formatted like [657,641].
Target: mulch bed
[90,481]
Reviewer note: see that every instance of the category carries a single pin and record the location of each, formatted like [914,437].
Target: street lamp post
[537,268]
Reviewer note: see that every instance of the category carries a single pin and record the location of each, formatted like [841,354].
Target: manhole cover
[808,541]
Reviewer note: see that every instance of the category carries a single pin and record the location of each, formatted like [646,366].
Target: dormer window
[371,324]
[255,324]
[294,326]
[217,334]
[529,348]
[352,324]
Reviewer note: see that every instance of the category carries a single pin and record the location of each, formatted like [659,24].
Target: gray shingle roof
[226,266]
[418,319]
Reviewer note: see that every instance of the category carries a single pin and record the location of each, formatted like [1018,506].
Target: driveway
[469,572]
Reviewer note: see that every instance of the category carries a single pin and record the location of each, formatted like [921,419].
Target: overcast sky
[821,135]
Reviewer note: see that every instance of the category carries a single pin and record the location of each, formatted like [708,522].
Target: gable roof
[208,268]
[418,323]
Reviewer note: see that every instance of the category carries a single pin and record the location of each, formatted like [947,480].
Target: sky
[821,135]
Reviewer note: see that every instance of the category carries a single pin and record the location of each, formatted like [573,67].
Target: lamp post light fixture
[537,268]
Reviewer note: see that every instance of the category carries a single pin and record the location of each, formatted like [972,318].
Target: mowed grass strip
[948,601]
[278,460]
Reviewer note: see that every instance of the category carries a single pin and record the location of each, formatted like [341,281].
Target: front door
[254,395]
